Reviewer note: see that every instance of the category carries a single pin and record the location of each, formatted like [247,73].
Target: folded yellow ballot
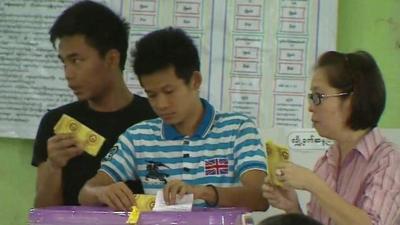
[145,202]
[276,154]
[89,139]
[133,216]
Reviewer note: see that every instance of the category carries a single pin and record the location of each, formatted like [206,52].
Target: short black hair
[359,74]
[290,219]
[163,48]
[102,28]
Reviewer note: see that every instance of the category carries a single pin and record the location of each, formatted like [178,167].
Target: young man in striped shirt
[190,148]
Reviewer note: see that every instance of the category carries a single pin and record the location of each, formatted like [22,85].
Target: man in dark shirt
[92,43]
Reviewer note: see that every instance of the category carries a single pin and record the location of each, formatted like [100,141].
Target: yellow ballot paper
[276,154]
[90,140]
[145,202]
[134,216]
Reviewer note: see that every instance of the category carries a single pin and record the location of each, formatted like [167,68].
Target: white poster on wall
[256,55]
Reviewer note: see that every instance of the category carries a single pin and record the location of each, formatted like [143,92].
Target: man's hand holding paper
[60,149]
[87,139]
[183,203]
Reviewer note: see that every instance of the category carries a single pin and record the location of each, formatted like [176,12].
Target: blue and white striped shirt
[224,146]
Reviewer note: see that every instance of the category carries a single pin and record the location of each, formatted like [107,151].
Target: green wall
[363,24]
[17,181]
[374,26]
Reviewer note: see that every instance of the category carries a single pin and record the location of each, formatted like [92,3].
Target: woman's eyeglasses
[316,98]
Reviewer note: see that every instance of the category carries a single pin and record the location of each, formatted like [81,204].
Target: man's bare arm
[48,186]
[249,195]
[102,189]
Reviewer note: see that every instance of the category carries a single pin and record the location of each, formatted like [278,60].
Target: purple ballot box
[73,215]
[199,216]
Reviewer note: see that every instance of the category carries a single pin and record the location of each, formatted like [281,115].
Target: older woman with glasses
[357,181]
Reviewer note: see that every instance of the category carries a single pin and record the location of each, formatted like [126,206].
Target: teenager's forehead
[76,43]
[161,79]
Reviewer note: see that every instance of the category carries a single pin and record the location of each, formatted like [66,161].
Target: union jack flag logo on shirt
[216,166]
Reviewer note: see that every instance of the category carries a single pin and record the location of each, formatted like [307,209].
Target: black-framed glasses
[316,98]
